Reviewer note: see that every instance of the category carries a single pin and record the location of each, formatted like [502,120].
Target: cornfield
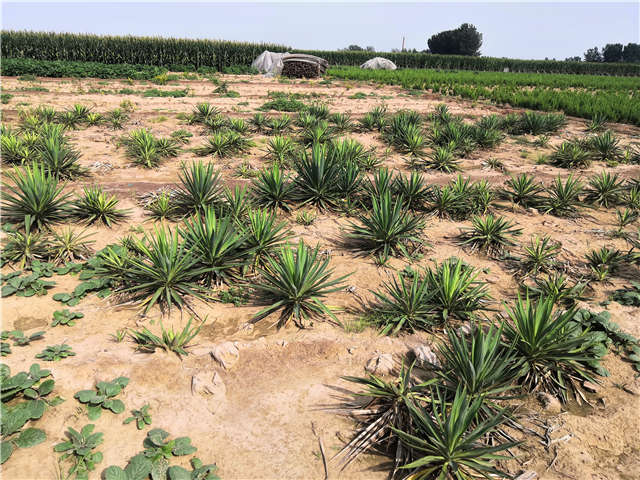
[181,53]
[163,52]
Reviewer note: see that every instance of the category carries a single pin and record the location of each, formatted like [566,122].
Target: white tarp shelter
[379,63]
[269,63]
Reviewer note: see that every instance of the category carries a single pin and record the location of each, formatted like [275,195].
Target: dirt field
[257,423]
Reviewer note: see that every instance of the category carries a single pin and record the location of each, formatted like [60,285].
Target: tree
[612,52]
[592,55]
[573,59]
[464,40]
[355,48]
[631,53]
[371,49]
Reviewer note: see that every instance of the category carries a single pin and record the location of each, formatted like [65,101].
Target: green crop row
[166,52]
[43,68]
[163,52]
[615,98]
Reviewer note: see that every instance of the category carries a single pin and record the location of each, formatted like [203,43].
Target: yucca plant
[487,137]
[306,120]
[222,144]
[376,119]
[442,114]
[279,125]
[482,198]
[259,122]
[490,234]
[319,134]
[281,150]
[30,123]
[142,149]
[69,245]
[204,111]
[59,158]
[165,272]
[218,246]
[404,304]
[604,262]
[215,124]
[96,206]
[295,281]
[444,202]
[199,187]
[480,364]
[94,119]
[176,341]
[117,118]
[551,347]
[316,181]
[347,150]
[490,122]
[162,207]
[35,192]
[319,110]
[456,291]
[236,203]
[413,189]
[264,235]
[23,247]
[386,409]
[81,111]
[632,198]
[238,125]
[380,183]
[449,442]
[69,119]
[15,150]
[558,288]
[563,198]
[540,255]
[537,123]
[388,229]
[342,122]
[444,160]
[571,154]
[625,218]
[272,189]
[597,123]
[605,147]
[605,190]
[523,190]
[46,113]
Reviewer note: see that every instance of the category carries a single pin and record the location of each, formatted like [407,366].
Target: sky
[516,29]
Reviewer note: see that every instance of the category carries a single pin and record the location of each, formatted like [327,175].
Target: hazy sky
[518,30]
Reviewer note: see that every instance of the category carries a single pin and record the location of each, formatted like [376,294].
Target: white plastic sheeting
[269,63]
[379,63]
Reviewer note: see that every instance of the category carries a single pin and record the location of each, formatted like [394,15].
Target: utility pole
[402,45]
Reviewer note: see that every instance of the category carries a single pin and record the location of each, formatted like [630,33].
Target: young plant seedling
[102,397]
[26,286]
[142,417]
[79,448]
[54,353]
[65,317]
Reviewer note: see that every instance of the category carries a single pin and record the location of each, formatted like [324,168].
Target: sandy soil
[258,422]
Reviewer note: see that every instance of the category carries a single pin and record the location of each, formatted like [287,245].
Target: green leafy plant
[551,347]
[34,192]
[70,246]
[176,341]
[25,286]
[388,229]
[200,187]
[605,147]
[605,190]
[79,448]
[558,288]
[281,150]
[102,398]
[264,234]
[25,247]
[65,317]
[563,198]
[448,440]
[571,154]
[490,234]
[444,160]
[628,296]
[272,189]
[523,190]
[386,410]
[54,353]
[295,282]
[316,182]
[96,206]
[604,262]
[142,417]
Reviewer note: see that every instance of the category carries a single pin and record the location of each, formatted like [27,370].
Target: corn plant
[296,282]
